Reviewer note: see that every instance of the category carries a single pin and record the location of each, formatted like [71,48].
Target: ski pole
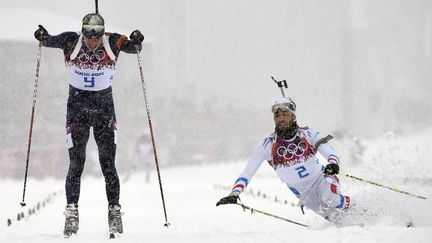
[151,134]
[382,186]
[32,120]
[253,210]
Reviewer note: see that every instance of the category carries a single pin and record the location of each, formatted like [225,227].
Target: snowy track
[191,196]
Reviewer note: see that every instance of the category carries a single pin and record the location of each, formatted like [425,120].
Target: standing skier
[291,151]
[90,58]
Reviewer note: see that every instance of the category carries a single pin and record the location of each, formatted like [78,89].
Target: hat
[284,104]
[93,25]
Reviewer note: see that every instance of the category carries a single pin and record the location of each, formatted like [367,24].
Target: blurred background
[357,69]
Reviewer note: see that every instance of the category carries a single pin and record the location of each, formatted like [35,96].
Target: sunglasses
[93,30]
[284,107]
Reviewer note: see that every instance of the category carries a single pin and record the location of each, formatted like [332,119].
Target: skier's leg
[330,194]
[77,135]
[311,198]
[104,133]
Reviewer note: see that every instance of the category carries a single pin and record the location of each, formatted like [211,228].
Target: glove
[230,199]
[40,33]
[136,37]
[331,169]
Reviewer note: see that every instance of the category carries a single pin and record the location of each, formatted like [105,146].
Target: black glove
[230,199]
[40,33]
[136,37]
[331,169]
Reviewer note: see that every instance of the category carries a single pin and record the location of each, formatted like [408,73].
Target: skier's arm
[251,168]
[262,153]
[65,40]
[321,144]
[327,151]
[122,43]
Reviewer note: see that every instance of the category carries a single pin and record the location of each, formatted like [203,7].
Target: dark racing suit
[90,104]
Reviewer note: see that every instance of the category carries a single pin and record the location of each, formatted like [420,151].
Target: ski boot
[72,220]
[115,220]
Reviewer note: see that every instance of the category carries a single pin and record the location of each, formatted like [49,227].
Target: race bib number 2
[301,171]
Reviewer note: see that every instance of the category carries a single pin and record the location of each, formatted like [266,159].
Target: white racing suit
[296,164]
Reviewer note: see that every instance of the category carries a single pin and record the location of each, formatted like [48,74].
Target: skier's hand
[230,199]
[136,37]
[40,33]
[331,169]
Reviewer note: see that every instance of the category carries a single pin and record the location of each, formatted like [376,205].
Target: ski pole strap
[253,210]
[383,186]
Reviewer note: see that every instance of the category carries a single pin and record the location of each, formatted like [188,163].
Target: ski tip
[409,225]
[112,236]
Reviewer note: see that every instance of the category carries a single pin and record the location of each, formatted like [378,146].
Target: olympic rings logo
[92,57]
[288,152]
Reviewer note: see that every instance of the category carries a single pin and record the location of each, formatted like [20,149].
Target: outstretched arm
[262,153]
[327,151]
[64,41]
[122,43]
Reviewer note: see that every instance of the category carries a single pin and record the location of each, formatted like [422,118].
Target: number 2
[301,171]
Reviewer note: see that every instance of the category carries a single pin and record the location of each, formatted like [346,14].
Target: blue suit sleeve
[64,41]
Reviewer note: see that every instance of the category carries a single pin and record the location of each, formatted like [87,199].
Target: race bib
[89,79]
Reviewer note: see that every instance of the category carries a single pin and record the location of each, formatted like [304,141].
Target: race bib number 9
[88,79]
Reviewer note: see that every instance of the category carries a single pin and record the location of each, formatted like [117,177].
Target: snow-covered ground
[191,193]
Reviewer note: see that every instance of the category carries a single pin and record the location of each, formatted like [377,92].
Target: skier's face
[93,42]
[283,119]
